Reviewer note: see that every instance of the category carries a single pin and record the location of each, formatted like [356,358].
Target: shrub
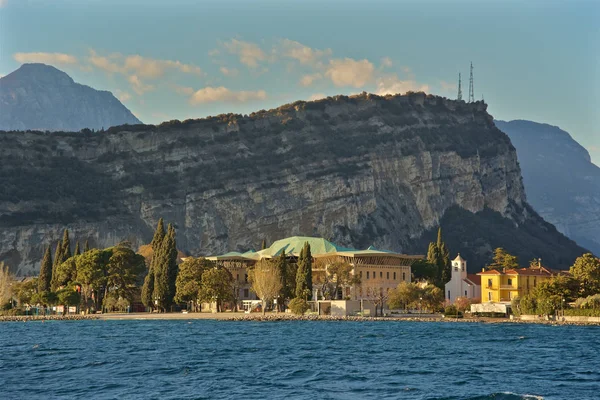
[451,310]
[582,312]
[298,306]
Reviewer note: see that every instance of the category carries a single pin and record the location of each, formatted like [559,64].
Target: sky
[180,59]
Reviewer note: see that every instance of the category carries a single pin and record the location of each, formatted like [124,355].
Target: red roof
[476,279]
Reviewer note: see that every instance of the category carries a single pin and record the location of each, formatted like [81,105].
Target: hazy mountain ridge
[361,170]
[561,182]
[41,97]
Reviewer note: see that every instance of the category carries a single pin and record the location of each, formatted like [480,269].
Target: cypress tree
[165,270]
[86,247]
[57,261]
[286,291]
[300,276]
[308,267]
[263,245]
[432,253]
[66,243]
[45,278]
[159,235]
[148,288]
[77,251]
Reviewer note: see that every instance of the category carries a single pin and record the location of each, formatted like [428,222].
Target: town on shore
[296,278]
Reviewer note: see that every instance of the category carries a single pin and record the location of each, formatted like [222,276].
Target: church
[462,284]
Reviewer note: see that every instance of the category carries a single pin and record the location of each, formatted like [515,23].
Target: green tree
[123,272]
[57,261]
[404,296]
[433,297]
[189,280]
[586,270]
[423,270]
[91,274]
[159,235]
[66,273]
[299,306]
[215,287]
[165,270]
[25,290]
[77,250]
[503,260]
[150,279]
[45,277]
[263,245]
[288,280]
[6,285]
[563,286]
[66,244]
[439,255]
[68,296]
[86,247]
[304,273]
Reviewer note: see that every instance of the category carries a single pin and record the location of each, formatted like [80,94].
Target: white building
[462,284]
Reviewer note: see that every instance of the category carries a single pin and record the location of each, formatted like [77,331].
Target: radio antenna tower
[471,89]
[459,97]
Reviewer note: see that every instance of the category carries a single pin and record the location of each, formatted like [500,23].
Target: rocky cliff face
[362,170]
[561,182]
[40,97]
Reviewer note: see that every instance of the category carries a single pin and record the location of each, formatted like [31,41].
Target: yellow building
[503,286]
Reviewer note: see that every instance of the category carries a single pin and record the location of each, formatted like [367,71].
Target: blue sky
[179,59]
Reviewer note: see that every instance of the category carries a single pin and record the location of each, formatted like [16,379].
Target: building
[503,286]
[379,270]
[461,283]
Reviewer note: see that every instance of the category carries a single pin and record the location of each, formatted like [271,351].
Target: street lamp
[420,306]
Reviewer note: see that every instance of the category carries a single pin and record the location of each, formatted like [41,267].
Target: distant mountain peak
[41,97]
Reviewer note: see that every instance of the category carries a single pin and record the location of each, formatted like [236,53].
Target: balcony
[508,287]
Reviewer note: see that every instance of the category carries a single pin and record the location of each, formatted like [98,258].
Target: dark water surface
[202,359]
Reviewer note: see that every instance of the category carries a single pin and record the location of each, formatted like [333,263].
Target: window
[465,293]
[246,293]
[237,277]
[404,276]
[490,296]
[367,274]
[510,295]
[246,278]
[394,276]
[510,281]
[449,295]
[388,275]
[360,274]
[489,283]
[527,282]
[381,274]
[533,282]
[455,268]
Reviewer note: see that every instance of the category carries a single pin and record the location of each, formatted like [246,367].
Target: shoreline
[257,317]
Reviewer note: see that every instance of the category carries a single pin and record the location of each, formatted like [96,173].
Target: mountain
[361,170]
[40,97]
[561,182]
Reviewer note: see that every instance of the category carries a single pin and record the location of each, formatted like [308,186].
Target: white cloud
[350,72]
[249,53]
[392,85]
[304,54]
[3,3]
[214,52]
[448,86]
[46,58]
[308,80]
[222,94]
[386,62]
[317,96]
[123,96]
[138,86]
[143,67]
[229,72]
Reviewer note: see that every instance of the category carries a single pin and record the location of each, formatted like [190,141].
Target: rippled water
[202,359]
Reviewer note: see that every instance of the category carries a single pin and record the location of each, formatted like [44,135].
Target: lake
[207,359]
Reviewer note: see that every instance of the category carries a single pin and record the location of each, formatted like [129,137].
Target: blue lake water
[202,359]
